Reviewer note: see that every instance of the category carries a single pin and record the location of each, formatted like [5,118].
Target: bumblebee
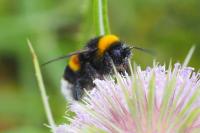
[94,61]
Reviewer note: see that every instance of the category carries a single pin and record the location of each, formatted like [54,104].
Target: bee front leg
[107,64]
[109,61]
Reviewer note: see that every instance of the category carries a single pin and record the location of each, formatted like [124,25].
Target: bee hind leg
[78,90]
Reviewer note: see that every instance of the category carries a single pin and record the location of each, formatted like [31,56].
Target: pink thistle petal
[124,106]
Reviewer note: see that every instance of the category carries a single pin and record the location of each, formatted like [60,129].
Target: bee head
[120,53]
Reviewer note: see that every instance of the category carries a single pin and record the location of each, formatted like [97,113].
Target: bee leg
[77,91]
[92,72]
[107,63]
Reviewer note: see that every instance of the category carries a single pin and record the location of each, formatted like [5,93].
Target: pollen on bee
[105,42]
[74,62]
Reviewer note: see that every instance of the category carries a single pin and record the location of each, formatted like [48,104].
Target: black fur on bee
[95,64]
[95,61]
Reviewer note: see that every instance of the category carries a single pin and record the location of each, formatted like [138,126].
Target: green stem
[105,17]
[101,17]
[42,88]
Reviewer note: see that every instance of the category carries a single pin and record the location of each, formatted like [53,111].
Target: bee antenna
[143,50]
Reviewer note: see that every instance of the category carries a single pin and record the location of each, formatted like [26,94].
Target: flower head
[156,100]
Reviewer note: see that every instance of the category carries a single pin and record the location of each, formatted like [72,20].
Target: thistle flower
[155,100]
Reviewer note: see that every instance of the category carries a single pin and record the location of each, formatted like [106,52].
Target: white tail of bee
[66,90]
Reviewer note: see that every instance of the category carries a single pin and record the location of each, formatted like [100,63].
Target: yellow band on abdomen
[74,63]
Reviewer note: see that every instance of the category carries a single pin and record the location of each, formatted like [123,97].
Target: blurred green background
[169,27]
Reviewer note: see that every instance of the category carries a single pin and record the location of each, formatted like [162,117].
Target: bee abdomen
[66,90]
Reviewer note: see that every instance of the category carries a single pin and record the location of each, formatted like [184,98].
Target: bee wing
[70,54]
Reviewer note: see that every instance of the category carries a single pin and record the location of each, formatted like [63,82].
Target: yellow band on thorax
[105,42]
[74,63]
